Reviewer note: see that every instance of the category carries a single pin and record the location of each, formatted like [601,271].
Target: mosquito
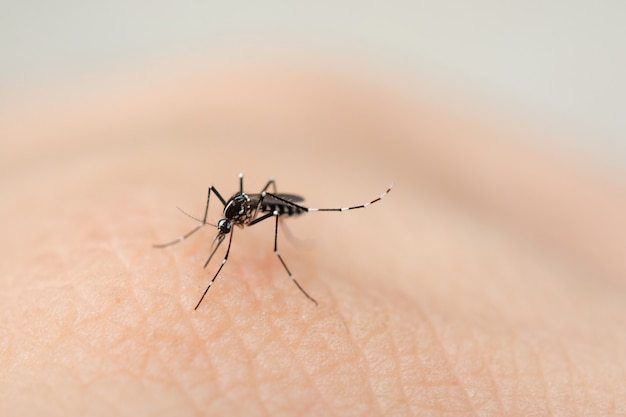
[244,209]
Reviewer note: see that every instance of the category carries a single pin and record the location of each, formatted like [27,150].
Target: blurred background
[551,64]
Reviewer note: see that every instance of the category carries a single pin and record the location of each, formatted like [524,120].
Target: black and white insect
[244,209]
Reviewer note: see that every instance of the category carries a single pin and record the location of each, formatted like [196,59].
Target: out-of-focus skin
[489,282]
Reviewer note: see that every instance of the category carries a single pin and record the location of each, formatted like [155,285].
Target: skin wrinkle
[372,355]
[6,358]
[361,340]
[569,367]
[507,373]
[377,400]
[259,381]
[180,376]
[495,386]
[474,373]
[397,371]
[115,351]
[266,391]
[170,375]
[50,371]
[412,354]
[234,329]
[399,375]
[185,393]
[201,352]
[306,372]
[353,347]
[556,327]
[370,389]
[321,398]
[439,342]
[467,366]
[531,379]
[487,363]
[518,375]
[251,362]
[543,382]
[569,396]
[363,357]
[221,388]
[356,355]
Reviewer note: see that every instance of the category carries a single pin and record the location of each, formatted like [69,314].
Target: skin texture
[489,282]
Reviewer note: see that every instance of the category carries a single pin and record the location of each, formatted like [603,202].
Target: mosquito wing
[280,203]
[269,200]
[292,198]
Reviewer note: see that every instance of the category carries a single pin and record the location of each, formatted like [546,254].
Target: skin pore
[490,281]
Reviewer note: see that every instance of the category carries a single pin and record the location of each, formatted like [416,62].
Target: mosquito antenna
[200,225]
[195,218]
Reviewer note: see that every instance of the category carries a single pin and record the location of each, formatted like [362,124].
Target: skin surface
[489,282]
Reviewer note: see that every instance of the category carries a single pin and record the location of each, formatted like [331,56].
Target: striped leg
[263,193]
[311,209]
[283,262]
[272,183]
[219,239]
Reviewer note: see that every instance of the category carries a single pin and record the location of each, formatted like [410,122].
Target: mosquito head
[224,227]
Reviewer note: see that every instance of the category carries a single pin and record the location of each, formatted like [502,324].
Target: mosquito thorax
[237,206]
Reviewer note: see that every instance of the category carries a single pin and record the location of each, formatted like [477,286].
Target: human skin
[489,282]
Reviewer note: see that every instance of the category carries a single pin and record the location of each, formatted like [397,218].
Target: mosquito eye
[224,226]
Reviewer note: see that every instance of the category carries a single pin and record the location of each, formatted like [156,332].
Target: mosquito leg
[275,213]
[260,203]
[260,219]
[208,198]
[221,239]
[270,182]
[311,209]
